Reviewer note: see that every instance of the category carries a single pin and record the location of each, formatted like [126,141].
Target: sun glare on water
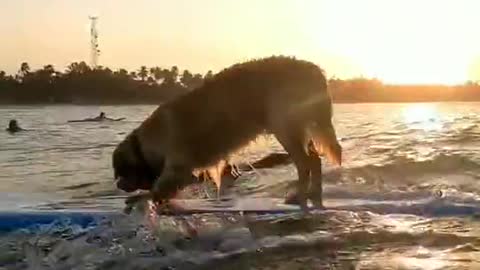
[423,116]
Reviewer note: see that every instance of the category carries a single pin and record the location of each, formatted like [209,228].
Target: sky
[396,41]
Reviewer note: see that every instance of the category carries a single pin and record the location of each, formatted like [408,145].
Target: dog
[197,131]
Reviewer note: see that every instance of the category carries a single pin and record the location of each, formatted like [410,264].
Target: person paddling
[102,116]
[99,118]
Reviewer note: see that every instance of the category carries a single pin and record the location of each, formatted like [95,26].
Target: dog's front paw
[292,198]
[135,202]
[318,204]
[296,198]
[316,197]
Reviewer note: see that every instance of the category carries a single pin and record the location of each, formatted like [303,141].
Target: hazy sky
[399,41]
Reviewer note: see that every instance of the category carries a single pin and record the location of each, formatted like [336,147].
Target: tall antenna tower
[94,51]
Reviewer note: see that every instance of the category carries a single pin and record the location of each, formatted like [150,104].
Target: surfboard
[255,205]
[96,120]
[32,220]
[12,221]
[268,205]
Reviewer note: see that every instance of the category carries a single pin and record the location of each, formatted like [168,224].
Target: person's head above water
[13,123]
[13,126]
[102,115]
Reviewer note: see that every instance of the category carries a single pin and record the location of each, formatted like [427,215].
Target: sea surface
[406,197]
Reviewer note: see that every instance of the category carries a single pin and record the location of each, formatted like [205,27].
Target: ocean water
[406,197]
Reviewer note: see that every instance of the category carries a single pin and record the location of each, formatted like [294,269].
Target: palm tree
[174,73]
[197,81]
[24,68]
[123,73]
[78,68]
[49,69]
[49,72]
[170,76]
[143,73]
[186,78]
[209,75]
[105,71]
[157,73]
[23,72]
[133,75]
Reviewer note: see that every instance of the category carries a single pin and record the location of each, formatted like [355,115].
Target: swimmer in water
[101,116]
[13,126]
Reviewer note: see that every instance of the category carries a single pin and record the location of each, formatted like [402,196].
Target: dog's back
[238,104]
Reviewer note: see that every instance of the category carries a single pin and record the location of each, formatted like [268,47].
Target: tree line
[363,90]
[81,84]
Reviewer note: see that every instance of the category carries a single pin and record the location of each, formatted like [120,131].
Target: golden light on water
[422,116]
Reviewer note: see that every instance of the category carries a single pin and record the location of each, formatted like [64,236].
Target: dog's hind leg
[316,189]
[293,139]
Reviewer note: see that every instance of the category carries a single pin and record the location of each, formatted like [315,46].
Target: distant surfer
[101,117]
[13,126]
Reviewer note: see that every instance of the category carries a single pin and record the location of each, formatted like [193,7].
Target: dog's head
[131,168]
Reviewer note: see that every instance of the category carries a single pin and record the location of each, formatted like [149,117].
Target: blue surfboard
[11,221]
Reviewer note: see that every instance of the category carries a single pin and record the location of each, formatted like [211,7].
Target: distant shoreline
[82,85]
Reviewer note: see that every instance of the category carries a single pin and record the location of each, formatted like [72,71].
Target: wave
[400,168]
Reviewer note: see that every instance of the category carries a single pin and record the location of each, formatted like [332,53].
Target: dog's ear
[124,158]
[118,160]
[132,168]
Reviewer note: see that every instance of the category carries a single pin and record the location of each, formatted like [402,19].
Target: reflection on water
[407,196]
[422,116]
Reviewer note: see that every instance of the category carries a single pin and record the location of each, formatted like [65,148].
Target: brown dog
[199,130]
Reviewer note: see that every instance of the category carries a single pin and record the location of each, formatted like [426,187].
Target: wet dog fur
[282,96]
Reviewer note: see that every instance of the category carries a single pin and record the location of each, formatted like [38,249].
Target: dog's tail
[317,112]
[325,141]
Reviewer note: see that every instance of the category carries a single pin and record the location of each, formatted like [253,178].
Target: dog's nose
[125,186]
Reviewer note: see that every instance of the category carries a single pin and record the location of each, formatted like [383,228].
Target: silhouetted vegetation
[361,90]
[80,84]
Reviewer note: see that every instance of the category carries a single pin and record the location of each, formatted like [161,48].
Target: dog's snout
[124,185]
